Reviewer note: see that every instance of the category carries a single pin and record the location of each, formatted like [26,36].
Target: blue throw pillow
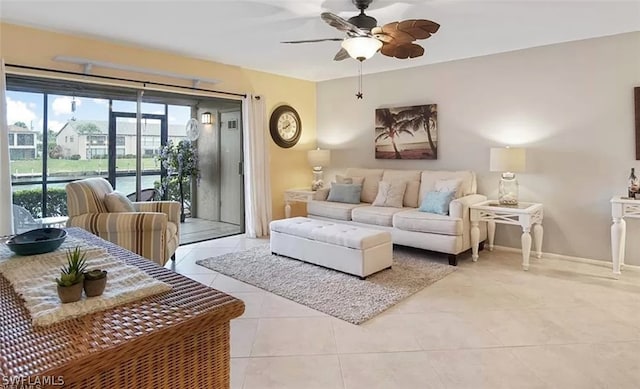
[437,202]
[345,193]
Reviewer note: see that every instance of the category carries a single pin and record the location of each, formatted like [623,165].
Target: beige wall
[289,167]
[570,105]
[33,47]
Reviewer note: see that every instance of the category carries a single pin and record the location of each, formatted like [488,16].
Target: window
[232,124]
[97,140]
[26,140]
[21,154]
[68,158]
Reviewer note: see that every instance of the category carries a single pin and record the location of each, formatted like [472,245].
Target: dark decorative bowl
[38,241]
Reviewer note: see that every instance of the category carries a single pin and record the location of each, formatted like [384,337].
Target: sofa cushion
[331,210]
[117,202]
[381,216]
[370,184]
[429,177]
[390,194]
[414,220]
[345,193]
[411,197]
[437,202]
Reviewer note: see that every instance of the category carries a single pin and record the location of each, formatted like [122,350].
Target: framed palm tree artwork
[407,132]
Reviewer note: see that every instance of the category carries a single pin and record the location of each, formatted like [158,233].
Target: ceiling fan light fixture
[362,47]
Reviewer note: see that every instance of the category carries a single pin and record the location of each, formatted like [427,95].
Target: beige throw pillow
[452,185]
[349,180]
[390,194]
[411,194]
[117,202]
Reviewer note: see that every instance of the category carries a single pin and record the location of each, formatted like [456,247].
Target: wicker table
[178,339]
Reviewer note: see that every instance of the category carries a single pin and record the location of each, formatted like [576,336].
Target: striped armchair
[153,232]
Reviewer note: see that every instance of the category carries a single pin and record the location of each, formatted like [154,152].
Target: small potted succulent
[94,282]
[71,277]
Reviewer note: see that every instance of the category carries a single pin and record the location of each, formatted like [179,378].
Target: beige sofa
[448,234]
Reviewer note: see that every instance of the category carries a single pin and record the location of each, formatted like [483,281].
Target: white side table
[296,195]
[621,208]
[525,215]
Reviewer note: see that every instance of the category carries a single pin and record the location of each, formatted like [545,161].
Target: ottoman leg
[453,259]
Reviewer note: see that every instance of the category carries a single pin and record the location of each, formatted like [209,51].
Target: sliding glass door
[123,151]
[62,131]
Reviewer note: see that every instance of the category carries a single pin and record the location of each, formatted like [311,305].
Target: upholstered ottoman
[349,249]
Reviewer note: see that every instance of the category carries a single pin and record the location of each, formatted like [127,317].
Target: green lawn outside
[67,165]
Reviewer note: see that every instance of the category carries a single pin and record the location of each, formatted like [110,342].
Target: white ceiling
[248,33]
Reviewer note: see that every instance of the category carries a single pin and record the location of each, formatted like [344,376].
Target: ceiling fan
[364,37]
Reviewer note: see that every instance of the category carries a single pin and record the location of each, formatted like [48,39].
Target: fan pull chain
[359,94]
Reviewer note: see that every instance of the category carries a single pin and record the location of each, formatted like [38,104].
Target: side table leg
[287,209]
[618,232]
[538,232]
[491,233]
[623,243]
[526,247]
[475,240]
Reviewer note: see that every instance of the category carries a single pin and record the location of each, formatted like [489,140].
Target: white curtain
[257,189]
[6,197]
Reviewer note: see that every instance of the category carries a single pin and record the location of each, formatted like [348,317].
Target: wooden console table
[177,339]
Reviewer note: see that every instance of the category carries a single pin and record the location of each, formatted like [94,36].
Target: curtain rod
[122,79]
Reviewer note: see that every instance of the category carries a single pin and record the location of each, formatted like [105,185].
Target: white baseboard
[590,261]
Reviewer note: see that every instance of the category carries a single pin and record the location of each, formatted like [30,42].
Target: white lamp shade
[319,158]
[362,47]
[507,159]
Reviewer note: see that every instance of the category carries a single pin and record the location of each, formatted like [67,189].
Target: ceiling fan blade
[402,51]
[419,28]
[337,22]
[315,40]
[407,30]
[341,54]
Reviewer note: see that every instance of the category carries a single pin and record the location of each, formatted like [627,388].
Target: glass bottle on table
[634,184]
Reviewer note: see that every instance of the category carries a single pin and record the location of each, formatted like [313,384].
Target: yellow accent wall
[289,168]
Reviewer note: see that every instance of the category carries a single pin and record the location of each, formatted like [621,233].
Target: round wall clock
[285,126]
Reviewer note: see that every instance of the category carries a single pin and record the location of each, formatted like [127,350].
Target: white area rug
[337,294]
[33,278]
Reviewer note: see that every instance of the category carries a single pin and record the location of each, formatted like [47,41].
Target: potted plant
[181,162]
[94,282]
[71,277]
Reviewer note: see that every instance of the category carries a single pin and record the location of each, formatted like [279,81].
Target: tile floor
[488,325]
[196,230]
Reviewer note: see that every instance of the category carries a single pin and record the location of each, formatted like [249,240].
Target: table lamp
[508,161]
[317,159]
